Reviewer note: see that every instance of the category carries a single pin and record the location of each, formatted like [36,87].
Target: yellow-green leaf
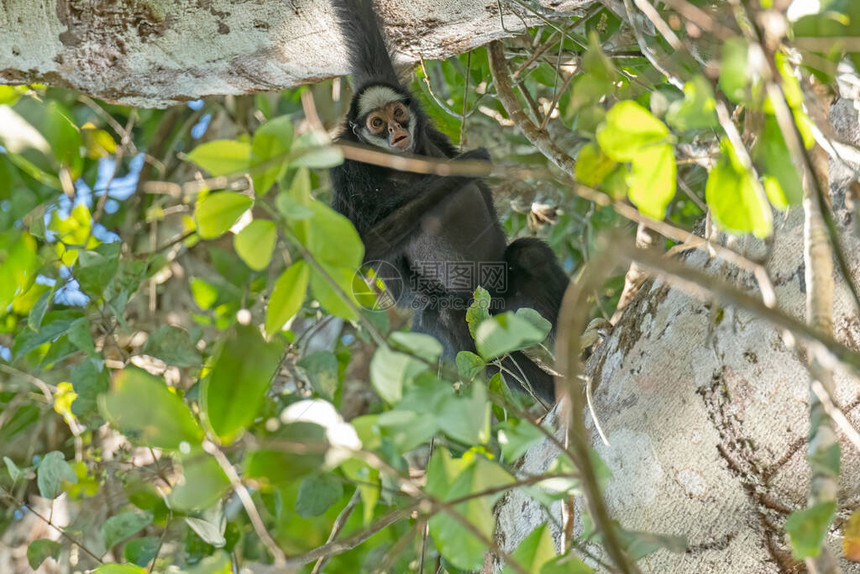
[256,242]
[222,157]
[287,296]
[217,212]
[652,180]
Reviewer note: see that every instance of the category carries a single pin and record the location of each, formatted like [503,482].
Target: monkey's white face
[386,120]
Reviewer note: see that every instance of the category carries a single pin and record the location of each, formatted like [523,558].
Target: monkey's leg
[535,279]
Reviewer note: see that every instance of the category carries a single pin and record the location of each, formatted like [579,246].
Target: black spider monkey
[427,226]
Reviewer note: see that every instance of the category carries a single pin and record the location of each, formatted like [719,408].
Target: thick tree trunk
[157,53]
[705,410]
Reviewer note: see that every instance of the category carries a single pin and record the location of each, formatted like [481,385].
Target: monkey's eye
[376,123]
[399,113]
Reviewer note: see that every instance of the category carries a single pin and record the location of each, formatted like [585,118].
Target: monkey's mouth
[400,141]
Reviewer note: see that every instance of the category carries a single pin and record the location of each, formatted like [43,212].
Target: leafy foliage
[193,290]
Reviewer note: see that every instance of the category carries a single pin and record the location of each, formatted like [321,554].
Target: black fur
[415,221]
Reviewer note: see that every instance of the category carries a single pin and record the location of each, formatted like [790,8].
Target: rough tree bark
[157,53]
[705,410]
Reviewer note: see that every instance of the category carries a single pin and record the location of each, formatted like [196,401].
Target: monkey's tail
[369,59]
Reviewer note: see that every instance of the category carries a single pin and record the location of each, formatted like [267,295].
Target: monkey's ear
[353,128]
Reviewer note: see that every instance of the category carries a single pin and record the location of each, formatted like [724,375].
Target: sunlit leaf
[269,152]
[592,165]
[256,242]
[629,129]
[217,212]
[731,193]
[698,108]
[287,296]
[652,180]
[222,157]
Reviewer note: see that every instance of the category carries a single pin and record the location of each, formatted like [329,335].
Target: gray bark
[705,409]
[154,53]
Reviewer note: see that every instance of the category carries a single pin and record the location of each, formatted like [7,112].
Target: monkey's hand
[480,153]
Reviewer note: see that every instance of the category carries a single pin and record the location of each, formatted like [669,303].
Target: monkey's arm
[391,233]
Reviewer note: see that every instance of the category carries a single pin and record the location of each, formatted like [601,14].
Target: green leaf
[534,551]
[123,526]
[826,461]
[53,469]
[652,180]
[15,473]
[205,294]
[321,368]
[204,484]
[640,544]
[89,379]
[144,409]
[592,165]
[516,437]
[220,563]
[287,296]
[448,479]
[269,152]
[40,550]
[734,70]
[331,298]
[79,335]
[628,130]
[311,150]
[317,493]
[731,194]
[235,389]
[568,564]
[784,187]
[222,157]
[211,531]
[332,239]
[276,467]
[65,138]
[806,529]
[96,267]
[479,310]
[505,333]
[256,243]
[469,365]
[112,568]
[173,346]
[418,344]
[217,212]
[19,264]
[391,371]
[698,108]
[141,550]
[37,312]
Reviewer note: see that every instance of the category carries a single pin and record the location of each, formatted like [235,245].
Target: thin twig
[248,503]
[338,525]
[48,521]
